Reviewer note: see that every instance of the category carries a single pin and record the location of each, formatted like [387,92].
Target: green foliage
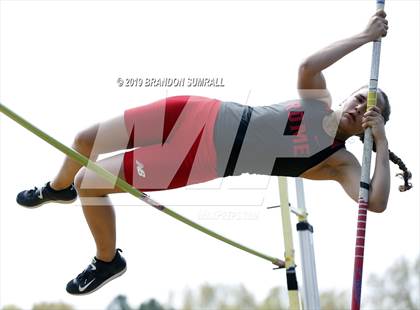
[10,307]
[397,288]
[188,300]
[333,300]
[119,303]
[152,304]
[275,300]
[244,298]
[52,306]
[209,297]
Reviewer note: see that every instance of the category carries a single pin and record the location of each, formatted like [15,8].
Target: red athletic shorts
[173,143]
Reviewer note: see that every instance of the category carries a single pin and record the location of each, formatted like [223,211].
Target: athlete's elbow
[306,68]
[378,201]
[377,206]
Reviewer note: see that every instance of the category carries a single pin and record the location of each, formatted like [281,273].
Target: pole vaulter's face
[352,112]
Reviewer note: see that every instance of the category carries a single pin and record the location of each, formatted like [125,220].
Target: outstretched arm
[311,82]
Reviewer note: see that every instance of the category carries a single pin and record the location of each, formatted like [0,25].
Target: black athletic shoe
[36,197]
[96,275]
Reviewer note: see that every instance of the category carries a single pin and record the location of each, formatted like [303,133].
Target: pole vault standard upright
[120,183]
[365,175]
[289,251]
[309,292]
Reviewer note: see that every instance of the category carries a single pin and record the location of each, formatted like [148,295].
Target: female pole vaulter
[183,140]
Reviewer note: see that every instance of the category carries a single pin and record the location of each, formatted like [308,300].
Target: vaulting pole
[83,160]
[365,175]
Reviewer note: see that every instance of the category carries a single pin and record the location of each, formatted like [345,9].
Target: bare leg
[101,221]
[97,206]
[101,138]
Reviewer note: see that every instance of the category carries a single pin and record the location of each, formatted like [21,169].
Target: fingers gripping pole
[365,176]
[120,183]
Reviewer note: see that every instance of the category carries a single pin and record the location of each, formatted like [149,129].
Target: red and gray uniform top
[283,139]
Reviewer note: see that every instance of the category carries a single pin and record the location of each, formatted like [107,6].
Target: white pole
[310,293]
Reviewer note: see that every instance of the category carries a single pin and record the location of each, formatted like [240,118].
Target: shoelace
[37,191]
[87,274]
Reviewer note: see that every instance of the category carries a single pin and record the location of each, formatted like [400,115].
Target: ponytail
[406,174]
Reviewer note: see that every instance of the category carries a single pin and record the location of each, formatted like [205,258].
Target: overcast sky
[59,66]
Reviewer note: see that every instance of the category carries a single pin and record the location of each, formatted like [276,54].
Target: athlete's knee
[84,189]
[84,141]
[88,184]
